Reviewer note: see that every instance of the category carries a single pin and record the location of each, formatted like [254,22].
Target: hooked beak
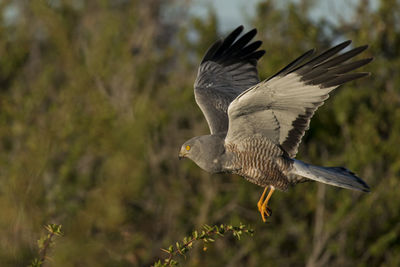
[182,154]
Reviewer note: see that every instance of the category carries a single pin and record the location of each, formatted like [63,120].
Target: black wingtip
[233,49]
[369,59]
[237,31]
[327,54]
[212,50]
[345,43]
[259,54]
[254,30]
[241,27]
[363,47]
[294,64]
[366,187]
[359,49]
[341,79]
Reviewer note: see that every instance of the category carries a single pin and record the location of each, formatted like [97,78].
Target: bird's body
[256,127]
[260,162]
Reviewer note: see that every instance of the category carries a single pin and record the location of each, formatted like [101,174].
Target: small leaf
[163,249]
[207,227]
[202,235]
[41,242]
[36,263]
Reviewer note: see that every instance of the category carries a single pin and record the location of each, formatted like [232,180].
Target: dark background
[96,98]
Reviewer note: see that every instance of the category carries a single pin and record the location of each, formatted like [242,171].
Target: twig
[207,235]
[45,242]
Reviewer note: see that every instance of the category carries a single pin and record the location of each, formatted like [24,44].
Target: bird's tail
[337,176]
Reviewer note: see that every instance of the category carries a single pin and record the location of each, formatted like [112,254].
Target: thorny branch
[207,235]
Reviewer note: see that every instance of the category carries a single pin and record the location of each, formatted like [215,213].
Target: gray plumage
[256,127]
[227,69]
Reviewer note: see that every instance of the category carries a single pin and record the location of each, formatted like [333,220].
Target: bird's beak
[182,154]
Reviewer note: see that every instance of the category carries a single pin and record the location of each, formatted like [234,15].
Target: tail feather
[337,176]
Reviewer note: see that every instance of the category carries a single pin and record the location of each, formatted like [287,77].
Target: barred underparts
[260,162]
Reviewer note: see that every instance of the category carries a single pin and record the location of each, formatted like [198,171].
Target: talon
[268,211]
[262,204]
[265,212]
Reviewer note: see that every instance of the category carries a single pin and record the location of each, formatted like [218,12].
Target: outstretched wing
[228,68]
[282,106]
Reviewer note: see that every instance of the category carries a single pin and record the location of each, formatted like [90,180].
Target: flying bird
[256,126]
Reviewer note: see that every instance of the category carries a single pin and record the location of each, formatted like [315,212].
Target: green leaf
[41,242]
[158,264]
[36,263]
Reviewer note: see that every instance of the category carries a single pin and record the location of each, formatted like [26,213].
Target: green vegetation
[96,98]
[45,242]
[206,236]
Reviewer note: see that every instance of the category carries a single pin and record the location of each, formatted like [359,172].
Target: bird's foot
[265,211]
[262,204]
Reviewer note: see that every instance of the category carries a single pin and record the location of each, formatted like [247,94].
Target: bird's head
[186,150]
[205,151]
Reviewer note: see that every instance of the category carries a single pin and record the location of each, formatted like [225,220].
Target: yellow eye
[187,148]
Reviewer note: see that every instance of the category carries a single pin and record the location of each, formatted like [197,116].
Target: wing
[282,106]
[228,68]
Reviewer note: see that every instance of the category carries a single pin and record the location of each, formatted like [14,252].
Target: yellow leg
[260,202]
[263,208]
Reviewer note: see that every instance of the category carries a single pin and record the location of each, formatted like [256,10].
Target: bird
[256,126]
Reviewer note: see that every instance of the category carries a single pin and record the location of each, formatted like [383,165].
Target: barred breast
[260,161]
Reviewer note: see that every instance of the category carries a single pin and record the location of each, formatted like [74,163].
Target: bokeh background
[96,98]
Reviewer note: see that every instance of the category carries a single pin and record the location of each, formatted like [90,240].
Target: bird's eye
[187,148]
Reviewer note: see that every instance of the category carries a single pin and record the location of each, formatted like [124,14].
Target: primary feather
[281,107]
[228,68]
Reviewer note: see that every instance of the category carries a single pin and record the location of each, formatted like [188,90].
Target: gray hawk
[256,126]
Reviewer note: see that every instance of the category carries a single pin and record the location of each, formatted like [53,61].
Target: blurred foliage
[207,235]
[96,98]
